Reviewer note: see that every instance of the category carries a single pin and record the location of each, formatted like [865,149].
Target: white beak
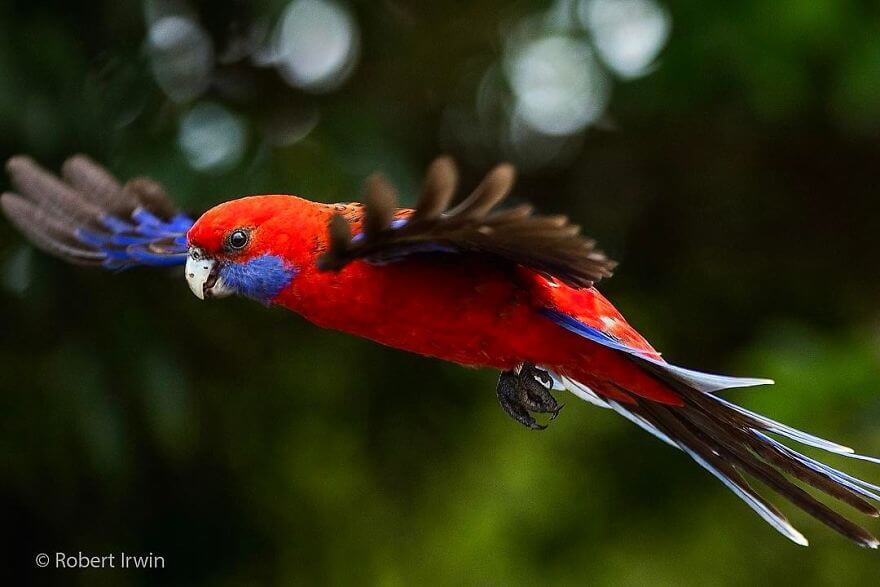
[198,269]
[202,277]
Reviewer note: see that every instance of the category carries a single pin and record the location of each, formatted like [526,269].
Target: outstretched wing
[90,218]
[550,244]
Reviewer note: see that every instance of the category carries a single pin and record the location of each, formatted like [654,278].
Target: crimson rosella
[473,284]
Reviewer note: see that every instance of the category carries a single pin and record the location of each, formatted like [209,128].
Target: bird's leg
[527,391]
[537,384]
[509,397]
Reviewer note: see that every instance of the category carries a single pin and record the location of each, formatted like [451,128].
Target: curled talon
[539,374]
[525,392]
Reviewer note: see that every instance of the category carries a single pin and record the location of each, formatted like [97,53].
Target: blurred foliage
[736,182]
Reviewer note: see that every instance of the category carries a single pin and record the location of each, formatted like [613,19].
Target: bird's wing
[649,359]
[88,217]
[549,244]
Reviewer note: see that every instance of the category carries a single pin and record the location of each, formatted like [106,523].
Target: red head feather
[285,226]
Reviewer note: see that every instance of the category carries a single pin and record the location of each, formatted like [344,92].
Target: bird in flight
[474,283]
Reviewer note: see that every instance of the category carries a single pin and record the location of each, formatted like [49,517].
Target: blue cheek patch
[261,278]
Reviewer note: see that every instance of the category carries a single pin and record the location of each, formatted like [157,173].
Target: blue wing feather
[705,382]
[90,218]
[144,240]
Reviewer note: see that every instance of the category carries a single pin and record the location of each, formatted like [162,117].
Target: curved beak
[203,276]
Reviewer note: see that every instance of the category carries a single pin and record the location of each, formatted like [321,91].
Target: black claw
[527,391]
[535,385]
[539,374]
[522,416]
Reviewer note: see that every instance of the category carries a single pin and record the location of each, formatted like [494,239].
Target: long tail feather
[731,442]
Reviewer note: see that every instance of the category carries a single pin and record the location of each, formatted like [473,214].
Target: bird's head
[251,246]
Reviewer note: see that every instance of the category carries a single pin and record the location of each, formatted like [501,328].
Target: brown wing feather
[547,243]
[51,211]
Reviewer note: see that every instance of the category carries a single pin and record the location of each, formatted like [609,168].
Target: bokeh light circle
[212,137]
[316,44]
[558,87]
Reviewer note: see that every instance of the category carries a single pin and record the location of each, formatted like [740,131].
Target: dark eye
[238,239]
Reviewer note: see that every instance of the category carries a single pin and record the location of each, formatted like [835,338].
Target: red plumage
[473,285]
[467,310]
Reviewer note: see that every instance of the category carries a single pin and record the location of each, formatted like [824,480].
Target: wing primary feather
[548,244]
[46,232]
[151,195]
[90,219]
[438,190]
[338,244]
[380,200]
[96,183]
[510,215]
[488,194]
[340,233]
[42,187]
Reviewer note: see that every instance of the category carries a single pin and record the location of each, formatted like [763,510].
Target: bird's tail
[733,443]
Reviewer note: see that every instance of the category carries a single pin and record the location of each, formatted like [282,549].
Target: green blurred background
[726,152]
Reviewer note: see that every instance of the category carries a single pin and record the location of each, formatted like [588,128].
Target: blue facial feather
[261,278]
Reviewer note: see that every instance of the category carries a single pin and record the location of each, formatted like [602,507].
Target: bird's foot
[521,394]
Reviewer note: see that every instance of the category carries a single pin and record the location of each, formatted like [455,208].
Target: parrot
[479,283]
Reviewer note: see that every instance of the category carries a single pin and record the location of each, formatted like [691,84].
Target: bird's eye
[238,239]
